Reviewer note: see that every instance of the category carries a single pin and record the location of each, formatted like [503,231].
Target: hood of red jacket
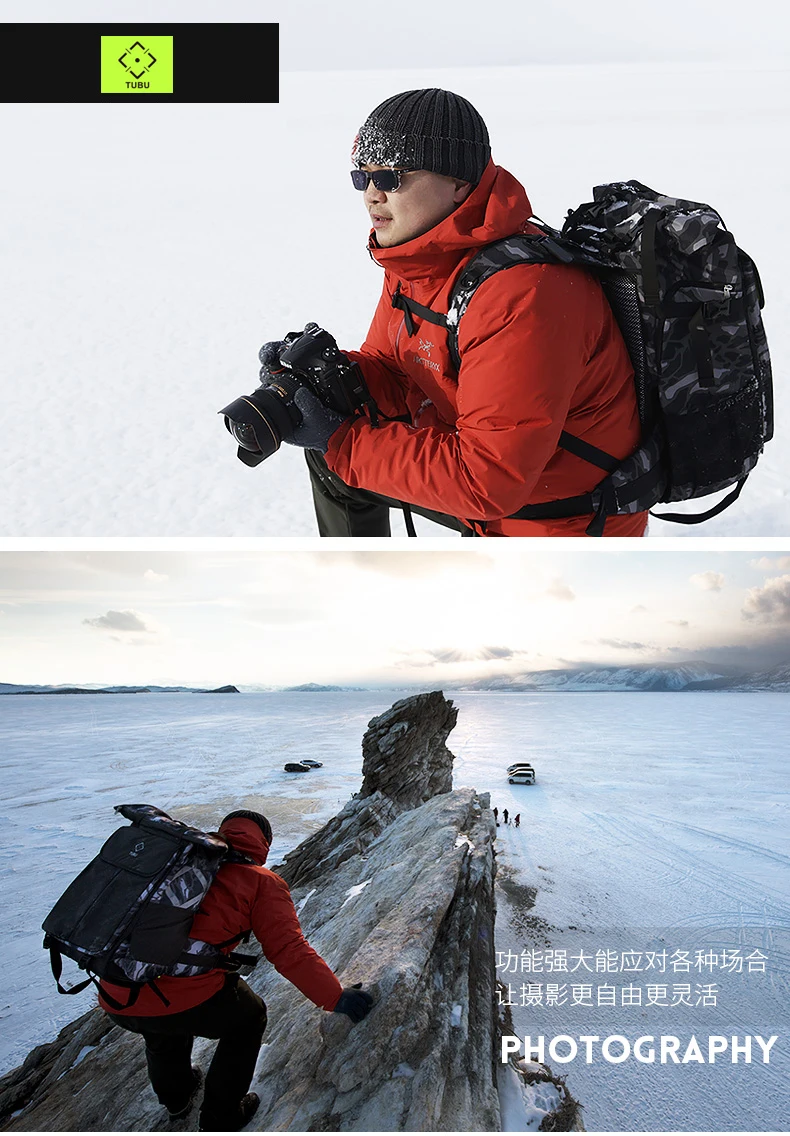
[245,836]
[497,207]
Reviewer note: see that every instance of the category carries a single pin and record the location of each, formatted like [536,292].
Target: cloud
[454,655]
[411,565]
[451,655]
[677,622]
[769,603]
[771,564]
[622,645]
[149,574]
[708,581]
[559,590]
[442,656]
[500,653]
[285,615]
[638,608]
[119,621]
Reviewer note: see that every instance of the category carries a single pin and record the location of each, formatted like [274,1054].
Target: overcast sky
[355,34]
[283,618]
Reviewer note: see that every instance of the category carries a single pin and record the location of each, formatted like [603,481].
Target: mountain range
[691,676]
[674,677]
[13,688]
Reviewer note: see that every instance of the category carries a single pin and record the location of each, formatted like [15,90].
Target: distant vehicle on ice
[521,773]
[304,766]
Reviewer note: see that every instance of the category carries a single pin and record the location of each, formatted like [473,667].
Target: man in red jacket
[540,350]
[221,1005]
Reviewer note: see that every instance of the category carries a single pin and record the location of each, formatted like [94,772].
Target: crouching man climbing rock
[220,1005]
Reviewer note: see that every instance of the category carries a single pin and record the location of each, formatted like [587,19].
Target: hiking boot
[179,1113]
[247,1108]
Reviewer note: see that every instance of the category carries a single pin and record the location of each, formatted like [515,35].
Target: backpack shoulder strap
[522,248]
[544,247]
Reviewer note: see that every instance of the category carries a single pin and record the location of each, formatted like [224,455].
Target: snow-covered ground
[149,250]
[657,821]
[658,828]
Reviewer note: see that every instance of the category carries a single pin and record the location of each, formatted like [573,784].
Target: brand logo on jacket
[426,363]
[425,345]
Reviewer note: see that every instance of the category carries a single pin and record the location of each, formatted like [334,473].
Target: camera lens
[244,435]
[259,421]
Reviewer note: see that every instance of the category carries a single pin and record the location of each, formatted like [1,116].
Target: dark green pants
[343,511]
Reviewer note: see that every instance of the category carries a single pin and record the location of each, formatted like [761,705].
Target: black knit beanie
[425,130]
[259,818]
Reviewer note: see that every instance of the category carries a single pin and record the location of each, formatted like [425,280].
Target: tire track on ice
[723,881]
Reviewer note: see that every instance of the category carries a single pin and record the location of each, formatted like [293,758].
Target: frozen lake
[656,819]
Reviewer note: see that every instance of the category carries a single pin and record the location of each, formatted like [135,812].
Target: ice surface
[519,1110]
[354,891]
[137,293]
[655,816]
[403,1070]
[303,901]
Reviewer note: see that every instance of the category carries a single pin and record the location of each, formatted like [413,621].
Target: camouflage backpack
[127,915]
[688,303]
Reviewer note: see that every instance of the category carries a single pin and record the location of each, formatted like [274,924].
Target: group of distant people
[515,821]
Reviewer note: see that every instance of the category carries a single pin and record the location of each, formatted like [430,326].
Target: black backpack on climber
[127,915]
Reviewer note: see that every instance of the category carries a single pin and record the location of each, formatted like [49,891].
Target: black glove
[318,422]
[355,1002]
[269,355]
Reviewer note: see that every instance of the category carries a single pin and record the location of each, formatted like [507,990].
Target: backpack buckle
[607,506]
[556,250]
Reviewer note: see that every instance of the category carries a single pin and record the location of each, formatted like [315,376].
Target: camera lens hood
[245,416]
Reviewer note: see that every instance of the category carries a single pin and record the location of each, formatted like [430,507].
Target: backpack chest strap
[504,253]
[411,308]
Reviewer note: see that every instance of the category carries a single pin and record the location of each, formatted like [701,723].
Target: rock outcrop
[405,762]
[395,892]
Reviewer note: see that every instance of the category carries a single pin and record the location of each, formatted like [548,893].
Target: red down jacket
[242,898]
[540,352]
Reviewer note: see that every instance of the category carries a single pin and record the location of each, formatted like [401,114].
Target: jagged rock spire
[404,755]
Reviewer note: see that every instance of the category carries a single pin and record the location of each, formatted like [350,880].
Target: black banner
[177,63]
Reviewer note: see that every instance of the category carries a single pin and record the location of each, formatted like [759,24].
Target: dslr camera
[261,421]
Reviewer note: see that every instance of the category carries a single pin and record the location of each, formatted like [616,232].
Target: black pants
[343,511]
[236,1016]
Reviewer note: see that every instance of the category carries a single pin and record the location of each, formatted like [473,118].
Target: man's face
[422,201]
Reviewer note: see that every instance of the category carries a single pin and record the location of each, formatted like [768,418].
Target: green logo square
[137,65]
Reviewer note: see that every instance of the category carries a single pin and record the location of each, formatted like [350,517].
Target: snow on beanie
[425,130]
[259,818]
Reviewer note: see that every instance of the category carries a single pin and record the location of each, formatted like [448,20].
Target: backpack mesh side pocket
[706,449]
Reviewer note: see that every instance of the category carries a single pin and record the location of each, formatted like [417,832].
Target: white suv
[521,773]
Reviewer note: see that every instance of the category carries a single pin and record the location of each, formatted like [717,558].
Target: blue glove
[354,1002]
[318,422]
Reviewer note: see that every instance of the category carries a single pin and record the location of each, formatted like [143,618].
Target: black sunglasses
[387,181]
